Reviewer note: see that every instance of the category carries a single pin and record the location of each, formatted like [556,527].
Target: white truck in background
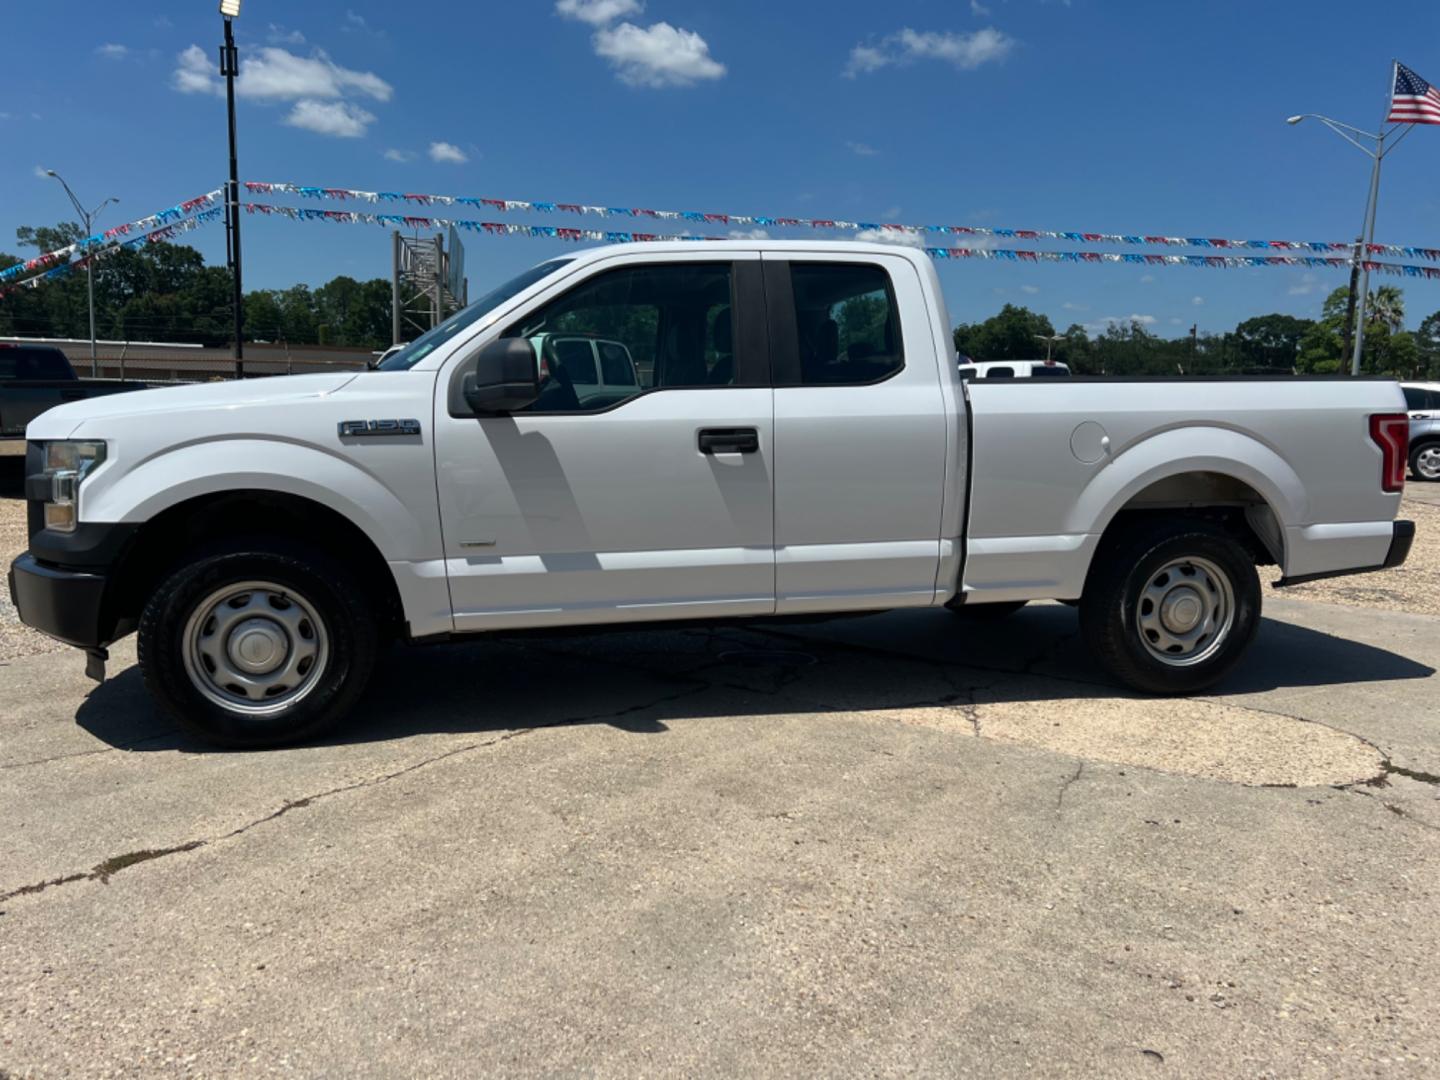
[798,442]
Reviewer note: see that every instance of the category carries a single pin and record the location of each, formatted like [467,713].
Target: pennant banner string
[553,232]
[150,222]
[751,220]
[131,240]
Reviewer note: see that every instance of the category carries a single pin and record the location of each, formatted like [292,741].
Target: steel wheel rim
[1185,612]
[255,647]
[1427,463]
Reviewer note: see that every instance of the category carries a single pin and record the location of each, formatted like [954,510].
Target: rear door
[651,501]
[860,433]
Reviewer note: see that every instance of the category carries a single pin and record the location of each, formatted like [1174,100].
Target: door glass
[848,324]
[1415,398]
[653,327]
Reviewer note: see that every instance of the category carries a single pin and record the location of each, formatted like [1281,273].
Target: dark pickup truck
[34,378]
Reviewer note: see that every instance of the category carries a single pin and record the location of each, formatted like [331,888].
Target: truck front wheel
[1171,607]
[259,644]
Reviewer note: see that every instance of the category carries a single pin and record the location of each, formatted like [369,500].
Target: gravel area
[1414,587]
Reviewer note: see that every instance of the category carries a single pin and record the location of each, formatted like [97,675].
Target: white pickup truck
[799,443]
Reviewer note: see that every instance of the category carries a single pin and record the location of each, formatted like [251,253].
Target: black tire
[1431,449]
[989,612]
[1117,616]
[345,644]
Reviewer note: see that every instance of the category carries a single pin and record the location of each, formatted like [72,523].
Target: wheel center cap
[1181,610]
[257,646]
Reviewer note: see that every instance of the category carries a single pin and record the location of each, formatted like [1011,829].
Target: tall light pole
[1049,340]
[1377,155]
[230,68]
[87,220]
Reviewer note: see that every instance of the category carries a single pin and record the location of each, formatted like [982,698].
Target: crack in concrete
[1394,808]
[103,871]
[90,753]
[1064,787]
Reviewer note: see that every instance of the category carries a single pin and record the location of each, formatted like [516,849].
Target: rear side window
[967,373]
[1000,373]
[579,359]
[1417,398]
[1052,371]
[32,362]
[847,323]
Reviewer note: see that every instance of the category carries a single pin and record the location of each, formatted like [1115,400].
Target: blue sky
[1132,116]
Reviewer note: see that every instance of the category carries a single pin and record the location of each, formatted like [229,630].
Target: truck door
[860,433]
[650,501]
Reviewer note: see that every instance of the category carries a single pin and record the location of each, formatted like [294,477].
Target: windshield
[431,340]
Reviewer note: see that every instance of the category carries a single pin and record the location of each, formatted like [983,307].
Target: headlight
[67,464]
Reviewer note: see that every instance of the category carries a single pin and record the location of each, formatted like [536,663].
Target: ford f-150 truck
[799,444]
[34,378]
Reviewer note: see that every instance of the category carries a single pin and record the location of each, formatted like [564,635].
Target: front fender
[175,474]
[1189,449]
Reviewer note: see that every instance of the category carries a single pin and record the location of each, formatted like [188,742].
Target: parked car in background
[1423,402]
[1011,369]
[34,378]
[600,371]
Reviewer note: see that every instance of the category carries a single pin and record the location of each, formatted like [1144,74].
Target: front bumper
[69,605]
[1402,535]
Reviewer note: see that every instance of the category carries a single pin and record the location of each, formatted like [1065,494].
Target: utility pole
[87,220]
[1354,295]
[1194,335]
[230,69]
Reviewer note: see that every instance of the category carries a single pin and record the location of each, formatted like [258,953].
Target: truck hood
[63,420]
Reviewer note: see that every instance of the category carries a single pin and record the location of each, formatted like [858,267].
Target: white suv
[1422,400]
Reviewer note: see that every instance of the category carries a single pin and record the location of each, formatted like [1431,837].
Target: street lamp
[230,68]
[1050,340]
[87,218]
[1348,132]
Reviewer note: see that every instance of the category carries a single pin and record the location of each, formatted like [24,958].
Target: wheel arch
[203,521]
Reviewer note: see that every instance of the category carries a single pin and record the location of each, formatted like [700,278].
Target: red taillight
[1391,432]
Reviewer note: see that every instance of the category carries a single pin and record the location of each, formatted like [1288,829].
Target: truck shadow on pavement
[636,681]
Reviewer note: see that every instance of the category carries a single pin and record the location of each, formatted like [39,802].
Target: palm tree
[1387,307]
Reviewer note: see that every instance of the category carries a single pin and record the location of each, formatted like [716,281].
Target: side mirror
[506,378]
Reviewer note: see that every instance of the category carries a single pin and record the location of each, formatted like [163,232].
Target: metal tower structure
[424,292]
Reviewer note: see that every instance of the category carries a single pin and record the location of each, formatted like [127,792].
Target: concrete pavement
[895,844]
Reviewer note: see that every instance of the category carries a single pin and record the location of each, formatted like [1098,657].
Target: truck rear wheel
[1171,607]
[261,644]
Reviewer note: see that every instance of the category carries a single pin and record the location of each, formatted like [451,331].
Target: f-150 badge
[373,429]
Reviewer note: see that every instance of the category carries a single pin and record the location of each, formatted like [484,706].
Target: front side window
[627,331]
[847,322]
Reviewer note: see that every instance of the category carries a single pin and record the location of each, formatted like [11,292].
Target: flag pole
[1364,294]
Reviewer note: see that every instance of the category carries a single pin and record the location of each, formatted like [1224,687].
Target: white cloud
[276,74]
[861,149]
[448,153]
[891,236]
[356,24]
[890,213]
[965,51]
[659,55]
[278,35]
[399,155]
[749,234]
[1147,279]
[1108,321]
[338,118]
[1070,305]
[1030,289]
[598,12]
[1197,300]
[112,51]
[1307,284]
[978,9]
[40,172]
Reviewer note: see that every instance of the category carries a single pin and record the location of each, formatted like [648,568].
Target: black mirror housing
[506,378]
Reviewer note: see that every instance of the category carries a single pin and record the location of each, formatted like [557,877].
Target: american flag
[1414,101]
